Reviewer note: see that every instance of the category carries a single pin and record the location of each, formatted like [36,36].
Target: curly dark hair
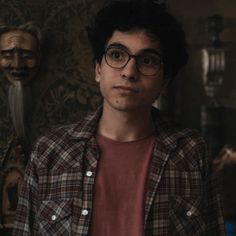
[149,16]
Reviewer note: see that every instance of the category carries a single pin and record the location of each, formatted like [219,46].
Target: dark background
[64,88]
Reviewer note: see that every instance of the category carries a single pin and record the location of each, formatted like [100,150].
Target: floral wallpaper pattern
[63,90]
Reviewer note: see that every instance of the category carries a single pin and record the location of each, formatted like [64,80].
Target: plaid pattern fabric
[56,196]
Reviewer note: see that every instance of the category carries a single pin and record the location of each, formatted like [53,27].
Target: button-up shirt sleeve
[183,196]
[27,205]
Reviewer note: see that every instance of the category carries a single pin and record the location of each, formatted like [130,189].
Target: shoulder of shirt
[62,144]
[187,147]
[80,128]
[174,133]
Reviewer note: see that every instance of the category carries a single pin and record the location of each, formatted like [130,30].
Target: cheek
[155,89]
[4,63]
[31,64]
[105,88]
[102,87]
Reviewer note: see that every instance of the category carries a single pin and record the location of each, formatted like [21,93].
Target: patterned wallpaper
[63,90]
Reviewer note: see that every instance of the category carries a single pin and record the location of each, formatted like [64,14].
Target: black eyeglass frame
[129,57]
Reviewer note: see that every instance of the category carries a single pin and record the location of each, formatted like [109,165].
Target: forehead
[135,40]
[17,39]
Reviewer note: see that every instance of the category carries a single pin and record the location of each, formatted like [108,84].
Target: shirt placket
[91,157]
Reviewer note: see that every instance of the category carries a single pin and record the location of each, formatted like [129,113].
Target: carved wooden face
[19,56]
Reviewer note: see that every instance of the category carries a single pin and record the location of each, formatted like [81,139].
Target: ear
[97,72]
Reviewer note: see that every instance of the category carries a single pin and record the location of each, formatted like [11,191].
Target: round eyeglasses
[147,63]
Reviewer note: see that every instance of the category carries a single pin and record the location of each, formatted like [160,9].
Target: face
[19,56]
[126,89]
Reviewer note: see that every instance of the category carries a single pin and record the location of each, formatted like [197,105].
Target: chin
[126,107]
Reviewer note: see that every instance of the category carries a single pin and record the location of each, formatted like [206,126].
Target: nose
[17,61]
[130,72]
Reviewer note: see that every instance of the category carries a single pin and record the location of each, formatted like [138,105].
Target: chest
[174,193]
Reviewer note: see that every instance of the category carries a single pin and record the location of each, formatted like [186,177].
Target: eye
[116,54]
[27,55]
[6,54]
[149,60]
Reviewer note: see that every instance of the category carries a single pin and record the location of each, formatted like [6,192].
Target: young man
[123,170]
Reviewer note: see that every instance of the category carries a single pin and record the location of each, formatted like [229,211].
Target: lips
[127,89]
[18,74]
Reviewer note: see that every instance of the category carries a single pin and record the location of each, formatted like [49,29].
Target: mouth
[126,89]
[18,74]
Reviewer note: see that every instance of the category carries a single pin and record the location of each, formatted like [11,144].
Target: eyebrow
[16,49]
[117,45]
[144,50]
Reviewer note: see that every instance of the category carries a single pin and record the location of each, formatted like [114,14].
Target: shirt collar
[87,126]
[166,132]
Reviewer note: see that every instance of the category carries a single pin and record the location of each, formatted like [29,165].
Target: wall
[64,88]
[191,95]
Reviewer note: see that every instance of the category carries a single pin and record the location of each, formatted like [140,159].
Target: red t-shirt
[120,187]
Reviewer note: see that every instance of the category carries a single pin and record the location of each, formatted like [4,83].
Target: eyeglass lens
[147,63]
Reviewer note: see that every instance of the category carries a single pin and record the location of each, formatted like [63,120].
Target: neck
[125,126]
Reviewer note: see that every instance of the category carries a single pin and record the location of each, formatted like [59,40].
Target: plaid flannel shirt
[57,193]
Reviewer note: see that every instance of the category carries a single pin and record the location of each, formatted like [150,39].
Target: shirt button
[189,213]
[53,217]
[89,173]
[85,212]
